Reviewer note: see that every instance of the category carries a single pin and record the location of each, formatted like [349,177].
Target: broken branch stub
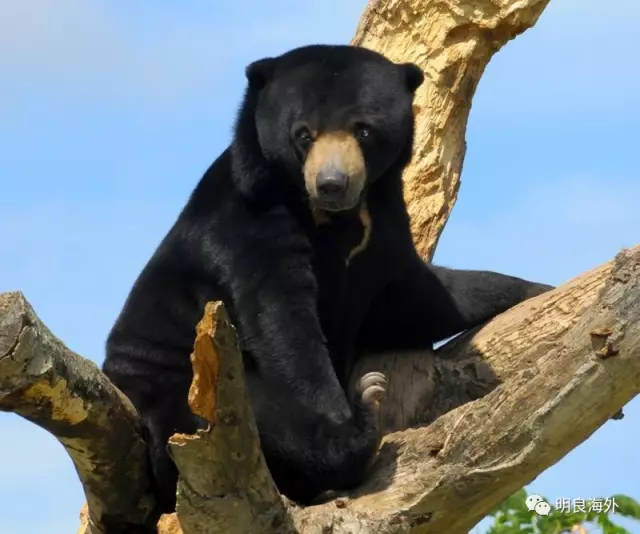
[225,485]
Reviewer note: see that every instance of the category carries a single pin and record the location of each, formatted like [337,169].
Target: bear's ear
[413,75]
[259,72]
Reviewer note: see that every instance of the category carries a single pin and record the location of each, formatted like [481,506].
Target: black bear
[300,228]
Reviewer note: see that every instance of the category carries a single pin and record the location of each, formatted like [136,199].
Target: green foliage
[513,516]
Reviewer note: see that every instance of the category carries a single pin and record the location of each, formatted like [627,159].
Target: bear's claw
[372,388]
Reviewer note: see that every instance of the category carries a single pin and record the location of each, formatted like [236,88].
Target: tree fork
[502,402]
[574,350]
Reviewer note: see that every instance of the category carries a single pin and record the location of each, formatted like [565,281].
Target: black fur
[247,237]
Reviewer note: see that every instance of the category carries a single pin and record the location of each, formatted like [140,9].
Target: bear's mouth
[334,172]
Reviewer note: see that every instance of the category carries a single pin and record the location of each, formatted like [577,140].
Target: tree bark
[46,383]
[225,485]
[453,41]
[506,402]
[555,367]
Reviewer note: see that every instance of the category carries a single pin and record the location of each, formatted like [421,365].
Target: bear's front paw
[370,391]
[372,388]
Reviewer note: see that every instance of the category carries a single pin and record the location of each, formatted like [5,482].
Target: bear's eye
[303,136]
[361,132]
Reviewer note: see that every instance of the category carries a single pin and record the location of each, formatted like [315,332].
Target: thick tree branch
[425,384]
[46,383]
[453,41]
[555,368]
[503,402]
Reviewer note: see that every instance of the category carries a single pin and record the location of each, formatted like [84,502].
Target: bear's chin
[334,207]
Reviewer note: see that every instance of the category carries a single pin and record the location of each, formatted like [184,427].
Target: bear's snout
[335,172]
[332,185]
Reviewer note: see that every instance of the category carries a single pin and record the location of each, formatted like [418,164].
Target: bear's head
[330,120]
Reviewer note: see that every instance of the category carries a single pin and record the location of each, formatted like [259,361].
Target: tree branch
[575,350]
[224,484]
[67,395]
[557,367]
[453,41]
[503,402]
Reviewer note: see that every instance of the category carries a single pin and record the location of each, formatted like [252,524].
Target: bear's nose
[332,185]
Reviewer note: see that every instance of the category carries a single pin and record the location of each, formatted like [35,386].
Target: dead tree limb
[556,368]
[503,402]
[225,485]
[453,41]
[46,383]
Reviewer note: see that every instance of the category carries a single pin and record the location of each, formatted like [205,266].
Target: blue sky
[111,111]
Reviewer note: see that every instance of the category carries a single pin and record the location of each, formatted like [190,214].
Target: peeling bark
[224,484]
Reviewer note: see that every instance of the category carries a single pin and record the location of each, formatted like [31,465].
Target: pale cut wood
[453,41]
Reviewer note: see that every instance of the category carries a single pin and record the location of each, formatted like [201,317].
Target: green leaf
[626,506]
[513,517]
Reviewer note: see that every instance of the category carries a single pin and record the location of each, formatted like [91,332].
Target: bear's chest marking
[365,220]
[323,218]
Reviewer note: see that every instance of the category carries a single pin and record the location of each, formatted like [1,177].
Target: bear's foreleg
[431,303]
